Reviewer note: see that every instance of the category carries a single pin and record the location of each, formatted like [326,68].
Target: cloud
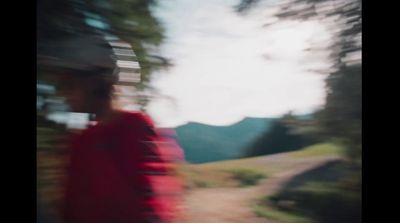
[228,66]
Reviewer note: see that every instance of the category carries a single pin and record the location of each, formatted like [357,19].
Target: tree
[129,20]
[341,116]
[283,136]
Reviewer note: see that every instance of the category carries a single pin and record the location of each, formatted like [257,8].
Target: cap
[92,54]
[80,53]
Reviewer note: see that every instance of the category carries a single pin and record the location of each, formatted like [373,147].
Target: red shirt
[118,174]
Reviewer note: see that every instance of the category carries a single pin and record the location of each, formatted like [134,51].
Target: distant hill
[205,143]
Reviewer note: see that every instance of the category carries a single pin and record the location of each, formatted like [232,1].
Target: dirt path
[233,205]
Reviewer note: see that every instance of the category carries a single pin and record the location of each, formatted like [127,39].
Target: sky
[228,66]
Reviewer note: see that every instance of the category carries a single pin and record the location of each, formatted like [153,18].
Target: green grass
[275,166]
[330,193]
[248,171]
[312,202]
[317,187]
[255,163]
[216,174]
[327,203]
[196,176]
[324,149]
[282,216]
[247,177]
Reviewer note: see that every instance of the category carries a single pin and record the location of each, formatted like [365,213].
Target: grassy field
[282,216]
[316,195]
[319,150]
[328,193]
[233,173]
[196,176]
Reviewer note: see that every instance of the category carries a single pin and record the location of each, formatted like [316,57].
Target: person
[117,171]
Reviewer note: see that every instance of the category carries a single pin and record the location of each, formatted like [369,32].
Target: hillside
[205,143]
[227,200]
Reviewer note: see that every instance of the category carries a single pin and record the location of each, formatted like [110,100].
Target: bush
[323,202]
[201,184]
[247,177]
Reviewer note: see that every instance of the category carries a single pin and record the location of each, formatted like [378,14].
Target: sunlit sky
[228,66]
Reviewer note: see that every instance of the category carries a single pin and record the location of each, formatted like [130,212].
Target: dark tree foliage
[129,20]
[283,136]
[341,116]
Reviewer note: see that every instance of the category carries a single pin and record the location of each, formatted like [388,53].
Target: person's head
[87,92]
[85,69]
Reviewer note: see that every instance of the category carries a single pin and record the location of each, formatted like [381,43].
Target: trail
[234,205]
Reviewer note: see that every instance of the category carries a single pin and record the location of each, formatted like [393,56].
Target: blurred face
[76,91]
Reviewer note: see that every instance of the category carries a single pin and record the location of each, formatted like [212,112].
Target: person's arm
[156,180]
